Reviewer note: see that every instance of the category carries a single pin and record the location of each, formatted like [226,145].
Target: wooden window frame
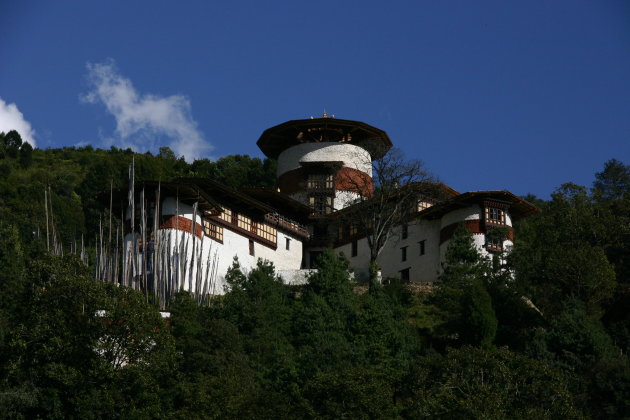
[226,215]
[267,232]
[244,222]
[321,204]
[213,230]
[494,245]
[320,182]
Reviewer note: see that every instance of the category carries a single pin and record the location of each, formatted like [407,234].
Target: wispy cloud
[12,119]
[144,119]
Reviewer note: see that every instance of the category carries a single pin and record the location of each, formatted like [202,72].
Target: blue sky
[521,96]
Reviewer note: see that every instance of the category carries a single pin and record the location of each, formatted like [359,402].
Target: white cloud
[142,119]
[12,119]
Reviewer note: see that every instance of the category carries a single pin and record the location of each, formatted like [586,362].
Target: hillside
[546,335]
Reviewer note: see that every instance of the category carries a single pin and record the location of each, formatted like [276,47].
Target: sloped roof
[187,193]
[279,200]
[519,208]
[276,139]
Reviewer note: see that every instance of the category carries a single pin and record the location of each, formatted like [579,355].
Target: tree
[167,154]
[613,183]
[26,155]
[82,349]
[12,142]
[493,383]
[216,380]
[462,298]
[397,185]
[560,252]
[237,171]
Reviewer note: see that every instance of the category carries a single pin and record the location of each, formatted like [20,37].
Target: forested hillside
[545,335]
[74,177]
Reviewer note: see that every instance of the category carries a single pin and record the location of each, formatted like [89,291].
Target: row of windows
[495,216]
[423,204]
[226,215]
[263,230]
[244,222]
[320,182]
[213,231]
[494,244]
[321,204]
[266,232]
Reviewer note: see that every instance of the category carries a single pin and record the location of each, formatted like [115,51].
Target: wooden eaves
[276,139]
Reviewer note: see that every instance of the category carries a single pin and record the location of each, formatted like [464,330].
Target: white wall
[352,156]
[344,199]
[233,245]
[421,267]
[425,267]
[472,212]
[361,262]
[170,206]
[219,256]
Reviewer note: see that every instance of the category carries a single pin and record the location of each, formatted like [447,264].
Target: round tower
[325,162]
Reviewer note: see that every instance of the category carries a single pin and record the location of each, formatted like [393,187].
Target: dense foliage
[75,177]
[543,333]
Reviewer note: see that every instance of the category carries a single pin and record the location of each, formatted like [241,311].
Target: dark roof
[519,208]
[280,201]
[276,139]
[432,191]
[187,193]
[209,195]
[226,195]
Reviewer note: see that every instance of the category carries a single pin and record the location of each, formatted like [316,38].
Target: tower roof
[276,139]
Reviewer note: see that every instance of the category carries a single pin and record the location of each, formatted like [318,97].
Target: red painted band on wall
[353,180]
[474,226]
[346,179]
[182,223]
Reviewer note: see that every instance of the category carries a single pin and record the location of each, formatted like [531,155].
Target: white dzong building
[195,227]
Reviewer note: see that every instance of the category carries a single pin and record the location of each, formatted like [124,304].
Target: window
[355,246]
[288,244]
[495,215]
[421,244]
[226,215]
[404,274]
[244,222]
[423,204]
[353,229]
[320,182]
[266,232]
[494,244]
[321,204]
[405,231]
[403,252]
[213,231]
[251,248]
